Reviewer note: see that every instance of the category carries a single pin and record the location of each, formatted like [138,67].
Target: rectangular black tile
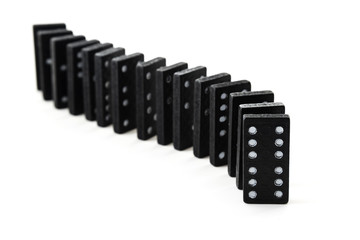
[103,84]
[123,95]
[183,106]
[235,100]
[45,61]
[59,68]
[201,139]
[219,118]
[164,105]
[36,29]
[146,97]
[75,69]
[88,54]
[253,108]
[266,158]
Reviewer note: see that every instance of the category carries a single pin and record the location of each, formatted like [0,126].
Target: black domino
[59,68]
[88,54]
[164,105]
[103,84]
[45,60]
[235,100]
[219,114]
[202,111]
[123,95]
[266,139]
[36,29]
[253,108]
[146,97]
[183,106]
[75,70]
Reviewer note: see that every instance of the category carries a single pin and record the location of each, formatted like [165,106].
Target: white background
[62,177]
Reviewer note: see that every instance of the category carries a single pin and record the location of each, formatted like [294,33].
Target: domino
[183,106]
[59,69]
[201,112]
[88,55]
[266,139]
[235,100]
[75,71]
[146,97]
[45,60]
[36,29]
[103,84]
[219,114]
[123,95]
[254,108]
[164,106]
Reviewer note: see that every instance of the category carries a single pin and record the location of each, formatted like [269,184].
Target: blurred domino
[36,29]
[45,60]
[103,84]
[88,55]
[59,69]
[75,70]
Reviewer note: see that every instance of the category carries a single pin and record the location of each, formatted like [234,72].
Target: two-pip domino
[223,119]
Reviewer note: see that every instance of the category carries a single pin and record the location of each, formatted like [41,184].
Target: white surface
[62,177]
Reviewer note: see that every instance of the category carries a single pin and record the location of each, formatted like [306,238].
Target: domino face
[183,106]
[123,95]
[254,108]
[45,60]
[88,54]
[37,28]
[266,158]
[146,97]
[75,66]
[164,101]
[235,100]
[59,69]
[219,115]
[202,112]
[103,84]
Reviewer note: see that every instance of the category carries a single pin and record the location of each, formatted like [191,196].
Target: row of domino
[219,118]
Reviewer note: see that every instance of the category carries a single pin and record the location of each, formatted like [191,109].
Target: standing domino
[266,140]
